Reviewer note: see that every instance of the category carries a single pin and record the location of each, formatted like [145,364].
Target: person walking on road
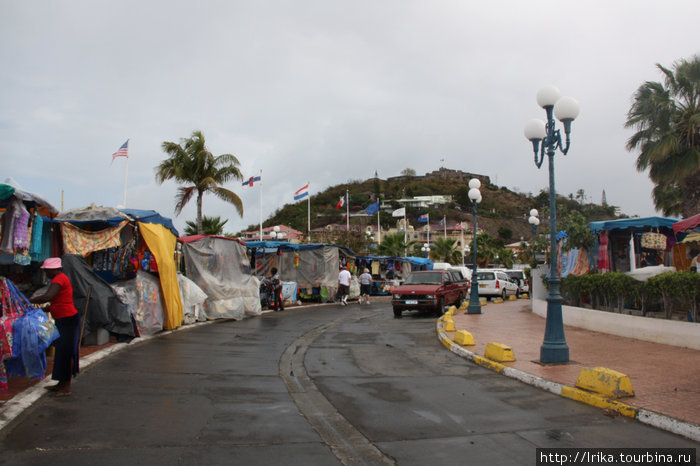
[365,286]
[344,278]
[62,308]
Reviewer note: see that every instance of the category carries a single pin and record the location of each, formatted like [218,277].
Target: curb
[660,421]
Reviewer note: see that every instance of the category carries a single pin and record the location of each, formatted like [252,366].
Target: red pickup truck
[429,290]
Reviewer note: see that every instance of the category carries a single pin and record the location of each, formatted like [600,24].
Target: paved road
[312,386]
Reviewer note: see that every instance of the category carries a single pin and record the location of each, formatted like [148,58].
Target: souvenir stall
[388,272]
[687,233]
[626,245]
[220,267]
[308,270]
[25,241]
[133,251]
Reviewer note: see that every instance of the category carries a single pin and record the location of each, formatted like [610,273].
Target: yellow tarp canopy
[161,242]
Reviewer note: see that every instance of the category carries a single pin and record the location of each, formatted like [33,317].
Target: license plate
[482,285]
[411,301]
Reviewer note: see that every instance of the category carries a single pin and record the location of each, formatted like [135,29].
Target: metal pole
[554,348]
[474,303]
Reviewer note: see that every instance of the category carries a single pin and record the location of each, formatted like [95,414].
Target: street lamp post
[554,348]
[534,221]
[474,303]
[425,249]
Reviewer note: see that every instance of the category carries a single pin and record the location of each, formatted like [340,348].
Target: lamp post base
[474,303]
[554,348]
[552,353]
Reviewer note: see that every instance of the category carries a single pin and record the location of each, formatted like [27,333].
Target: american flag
[122,152]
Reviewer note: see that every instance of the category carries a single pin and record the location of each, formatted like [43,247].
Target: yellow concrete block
[464,306]
[497,300]
[464,338]
[524,296]
[483,301]
[449,325]
[499,352]
[451,311]
[605,381]
[513,298]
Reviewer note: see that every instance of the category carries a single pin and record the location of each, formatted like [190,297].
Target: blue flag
[372,208]
[423,218]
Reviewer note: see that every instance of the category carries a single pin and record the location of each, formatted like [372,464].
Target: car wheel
[460,300]
[397,313]
[517,293]
[503,294]
[440,307]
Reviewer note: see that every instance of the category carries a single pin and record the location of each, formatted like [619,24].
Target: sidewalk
[665,379]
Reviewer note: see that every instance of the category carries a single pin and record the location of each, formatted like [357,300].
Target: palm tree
[210,226]
[190,163]
[394,245]
[445,250]
[667,119]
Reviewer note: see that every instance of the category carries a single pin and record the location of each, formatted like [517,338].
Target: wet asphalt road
[311,386]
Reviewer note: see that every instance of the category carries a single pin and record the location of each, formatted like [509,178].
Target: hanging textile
[82,242]
[36,243]
[582,265]
[161,243]
[603,258]
[12,213]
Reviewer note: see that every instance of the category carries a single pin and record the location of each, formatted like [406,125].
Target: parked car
[429,290]
[494,283]
[519,276]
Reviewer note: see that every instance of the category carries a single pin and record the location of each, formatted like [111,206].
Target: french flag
[301,193]
[251,181]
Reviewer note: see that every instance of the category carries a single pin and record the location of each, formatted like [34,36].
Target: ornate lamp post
[534,221]
[554,348]
[474,303]
[425,249]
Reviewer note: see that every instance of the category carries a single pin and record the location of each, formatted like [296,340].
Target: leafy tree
[210,226]
[190,163]
[667,120]
[505,257]
[486,248]
[576,227]
[446,250]
[505,233]
[408,172]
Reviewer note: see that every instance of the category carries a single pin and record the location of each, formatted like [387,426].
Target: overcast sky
[324,91]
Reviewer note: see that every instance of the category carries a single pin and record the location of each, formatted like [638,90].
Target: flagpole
[126,174]
[405,233]
[347,211]
[444,225]
[428,229]
[308,213]
[379,230]
[261,220]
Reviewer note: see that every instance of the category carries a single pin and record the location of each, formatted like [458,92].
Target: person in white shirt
[365,286]
[344,278]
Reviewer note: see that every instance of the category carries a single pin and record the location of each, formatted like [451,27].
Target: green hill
[502,213]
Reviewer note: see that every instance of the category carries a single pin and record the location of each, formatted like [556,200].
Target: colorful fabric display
[82,242]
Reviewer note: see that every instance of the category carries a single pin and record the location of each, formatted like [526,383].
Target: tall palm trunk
[200,230]
[690,204]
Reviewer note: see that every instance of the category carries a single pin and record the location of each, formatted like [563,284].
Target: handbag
[652,240]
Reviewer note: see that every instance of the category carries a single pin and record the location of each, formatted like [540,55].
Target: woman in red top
[60,295]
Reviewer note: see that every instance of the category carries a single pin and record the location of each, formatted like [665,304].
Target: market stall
[220,267]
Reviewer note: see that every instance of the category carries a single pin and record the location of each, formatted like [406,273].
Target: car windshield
[517,275]
[485,276]
[424,279]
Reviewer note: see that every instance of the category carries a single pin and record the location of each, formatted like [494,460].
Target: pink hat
[52,263]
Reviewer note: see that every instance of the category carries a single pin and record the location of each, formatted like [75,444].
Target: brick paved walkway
[666,379]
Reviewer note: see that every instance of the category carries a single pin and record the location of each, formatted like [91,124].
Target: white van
[466,271]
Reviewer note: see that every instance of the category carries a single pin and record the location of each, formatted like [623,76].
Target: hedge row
[614,291]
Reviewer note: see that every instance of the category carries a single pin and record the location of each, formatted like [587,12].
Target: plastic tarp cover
[315,267]
[220,267]
[192,299]
[105,310]
[142,298]
[161,242]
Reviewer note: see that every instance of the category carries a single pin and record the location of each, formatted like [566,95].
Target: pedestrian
[695,263]
[365,286]
[64,313]
[277,300]
[344,278]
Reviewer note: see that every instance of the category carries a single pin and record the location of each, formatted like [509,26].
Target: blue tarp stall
[313,267]
[625,241]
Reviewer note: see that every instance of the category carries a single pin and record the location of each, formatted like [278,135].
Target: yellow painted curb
[513,298]
[499,352]
[464,338]
[605,381]
[497,300]
[487,363]
[449,325]
[599,401]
